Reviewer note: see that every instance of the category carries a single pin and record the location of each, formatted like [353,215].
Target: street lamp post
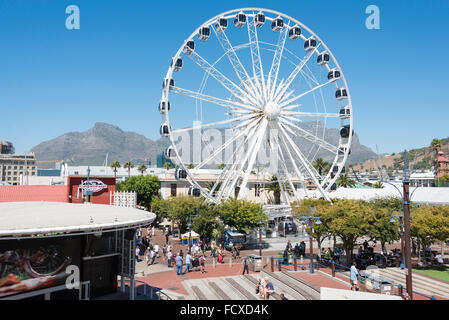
[260,232]
[405,194]
[310,220]
[190,227]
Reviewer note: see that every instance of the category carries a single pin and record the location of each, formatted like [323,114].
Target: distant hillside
[418,159]
[90,147]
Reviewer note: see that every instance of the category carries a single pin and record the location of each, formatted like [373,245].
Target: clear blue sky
[53,80]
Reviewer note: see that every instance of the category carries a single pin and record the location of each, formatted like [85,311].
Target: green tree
[168,165]
[210,184]
[346,219]
[320,165]
[429,224]
[221,166]
[344,181]
[142,168]
[319,209]
[129,165]
[115,165]
[380,227]
[190,166]
[240,214]
[146,188]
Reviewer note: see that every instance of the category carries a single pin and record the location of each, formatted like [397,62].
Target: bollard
[294,264]
[279,264]
[272,264]
[333,269]
[317,262]
[302,259]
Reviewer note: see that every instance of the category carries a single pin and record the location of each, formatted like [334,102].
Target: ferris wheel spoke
[294,73]
[212,124]
[284,103]
[307,167]
[252,158]
[234,105]
[292,115]
[230,86]
[225,145]
[232,172]
[287,174]
[235,62]
[274,70]
[255,55]
[309,136]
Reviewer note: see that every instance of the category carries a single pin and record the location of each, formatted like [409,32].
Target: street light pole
[310,220]
[407,242]
[260,232]
[190,228]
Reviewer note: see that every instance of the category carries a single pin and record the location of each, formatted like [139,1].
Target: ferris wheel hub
[272,110]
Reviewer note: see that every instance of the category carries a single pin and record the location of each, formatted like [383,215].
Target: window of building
[173,189]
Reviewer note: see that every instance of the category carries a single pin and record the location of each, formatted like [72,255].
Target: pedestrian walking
[169,256]
[202,263]
[245,265]
[152,231]
[164,251]
[166,236]
[152,256]
[178,261]
[354,277]
[188,262]
[156,250]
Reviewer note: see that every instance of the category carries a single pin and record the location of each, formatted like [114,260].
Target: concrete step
[278,289]
[420,283]
[306,291]
[242,288]
[228,289]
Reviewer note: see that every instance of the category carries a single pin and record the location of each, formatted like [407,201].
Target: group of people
[264,288]
[197,261]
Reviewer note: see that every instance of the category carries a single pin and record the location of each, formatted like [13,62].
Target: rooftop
[33,218]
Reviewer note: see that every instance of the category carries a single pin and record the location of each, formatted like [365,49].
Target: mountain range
[91,147]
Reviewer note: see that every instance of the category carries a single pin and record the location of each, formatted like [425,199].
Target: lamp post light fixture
[190,227]
[260,232]
[310,220]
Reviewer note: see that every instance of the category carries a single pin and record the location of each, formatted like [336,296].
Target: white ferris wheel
[256,90]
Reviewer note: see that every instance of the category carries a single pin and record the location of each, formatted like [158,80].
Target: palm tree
[344,181]
[167,165]
[142,168]
[128,166]
[273,185]
[378,185]
[221,166]
[436,145]
[320,165]
[115,165]
[190,166]
[210,184]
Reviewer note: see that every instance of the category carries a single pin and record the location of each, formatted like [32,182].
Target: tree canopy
[146,188]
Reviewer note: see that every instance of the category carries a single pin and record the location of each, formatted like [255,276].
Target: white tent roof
[27,218]
[193,234]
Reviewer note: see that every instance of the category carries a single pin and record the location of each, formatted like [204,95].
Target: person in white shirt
[156,249]
[152,256]
[169,256]
[439,258]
